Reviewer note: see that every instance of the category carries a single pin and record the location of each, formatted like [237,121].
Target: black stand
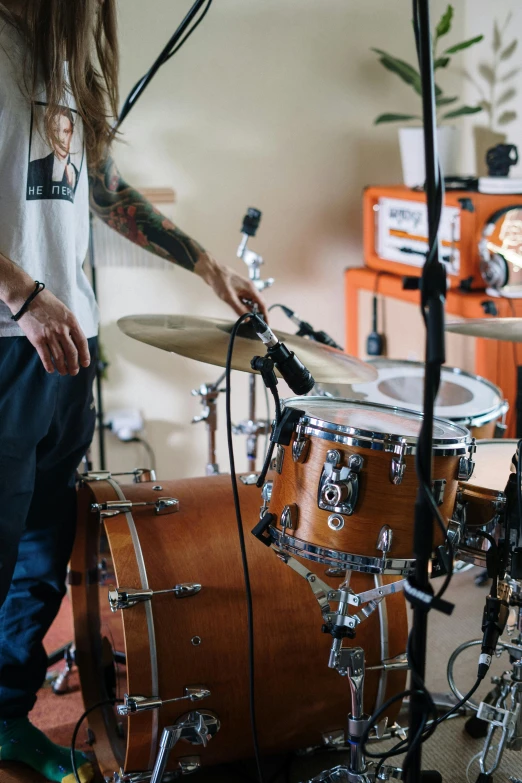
[433,290]
[100,364]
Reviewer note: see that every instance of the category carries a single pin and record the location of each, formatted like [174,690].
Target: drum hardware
[277,462]
[438,487]
[397,467]
[250,479]
[208,394]
[186,766]
[125,597]
[300,447]
[133,704]
[194,727]
[331,557]
[290,517]
[339,485]
[467,464]
[266,494]
[140,475]
[111,508]
[385,539]
[391,664]
[335,522]
[196,641]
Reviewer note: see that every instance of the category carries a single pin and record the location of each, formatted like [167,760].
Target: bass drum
[160,647]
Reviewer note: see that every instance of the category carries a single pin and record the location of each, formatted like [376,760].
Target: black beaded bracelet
[38,289]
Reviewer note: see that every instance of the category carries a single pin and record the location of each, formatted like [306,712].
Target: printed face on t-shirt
[63,128]
[54,170]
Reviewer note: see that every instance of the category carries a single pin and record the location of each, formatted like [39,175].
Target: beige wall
[270,105]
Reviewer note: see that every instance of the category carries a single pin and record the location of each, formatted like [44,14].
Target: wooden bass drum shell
[298,698]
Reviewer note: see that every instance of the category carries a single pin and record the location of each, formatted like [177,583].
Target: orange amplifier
[396,231]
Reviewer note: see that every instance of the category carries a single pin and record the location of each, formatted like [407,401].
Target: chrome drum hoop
[337,559]
[379,441]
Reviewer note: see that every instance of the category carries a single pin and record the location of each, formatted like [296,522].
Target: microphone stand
[433,290]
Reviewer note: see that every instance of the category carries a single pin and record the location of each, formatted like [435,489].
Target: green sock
[21,741]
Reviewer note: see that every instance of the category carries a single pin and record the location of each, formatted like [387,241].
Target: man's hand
[233,289]
[55,333]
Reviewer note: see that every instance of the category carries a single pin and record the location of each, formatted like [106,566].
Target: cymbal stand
[208,394]
[505,715]
[252,427]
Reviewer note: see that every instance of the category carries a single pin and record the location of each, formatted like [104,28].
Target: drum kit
[171,638]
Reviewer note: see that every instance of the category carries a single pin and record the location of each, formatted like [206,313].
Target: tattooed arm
[129,213]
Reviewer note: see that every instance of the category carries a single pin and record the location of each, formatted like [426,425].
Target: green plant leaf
[508,51]
[497,38]
[394,118]
[441,62]
[444,26]
[460,112]
[487,73]
[444,101]
[507,117]
[506,96]
[509,75]
[403,69]
[464,45]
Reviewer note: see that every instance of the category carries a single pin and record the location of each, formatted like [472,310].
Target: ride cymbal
[506,329]
[206,340]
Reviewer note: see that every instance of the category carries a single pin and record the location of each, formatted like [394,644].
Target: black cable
[167,52]
[96,706]
[241,534]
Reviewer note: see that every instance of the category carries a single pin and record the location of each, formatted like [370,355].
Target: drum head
[462,397]
[493,463]
[371,420]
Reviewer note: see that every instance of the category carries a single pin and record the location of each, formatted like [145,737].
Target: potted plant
[411,138]
[497,87]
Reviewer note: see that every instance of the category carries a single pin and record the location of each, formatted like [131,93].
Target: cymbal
[206,340]
[507,329]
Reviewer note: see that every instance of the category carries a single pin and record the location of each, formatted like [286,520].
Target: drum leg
[195,727]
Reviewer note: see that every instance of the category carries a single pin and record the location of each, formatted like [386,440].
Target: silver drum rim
[378,441]
[338,559]
[479,419]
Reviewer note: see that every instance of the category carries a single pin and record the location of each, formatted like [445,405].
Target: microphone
[292,370]
[308,330]
[249,228]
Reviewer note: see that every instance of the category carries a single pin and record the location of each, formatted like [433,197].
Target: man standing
[49,319]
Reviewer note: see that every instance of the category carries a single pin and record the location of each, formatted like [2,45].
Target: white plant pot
[411,142]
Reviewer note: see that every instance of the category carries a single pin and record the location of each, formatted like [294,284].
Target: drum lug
[339,485]
[290,517]
[397,468]
[438,487]
[300,448]
[134,704]
[467,464]
[266,494]
[125,597]
[277,462]
[384,539]
[111,508]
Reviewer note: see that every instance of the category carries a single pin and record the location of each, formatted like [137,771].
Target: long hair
[84,35]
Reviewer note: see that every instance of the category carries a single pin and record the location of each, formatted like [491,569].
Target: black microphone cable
[183,32]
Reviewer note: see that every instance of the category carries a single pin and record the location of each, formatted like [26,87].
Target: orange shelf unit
[494,360]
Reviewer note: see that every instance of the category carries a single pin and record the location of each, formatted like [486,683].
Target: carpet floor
[450,751]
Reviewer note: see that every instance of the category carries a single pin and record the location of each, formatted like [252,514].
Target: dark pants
[46,425]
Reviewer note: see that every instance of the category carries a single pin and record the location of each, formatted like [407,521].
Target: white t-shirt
[44,194]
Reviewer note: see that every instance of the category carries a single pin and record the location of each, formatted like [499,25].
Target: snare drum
[463,398]
[345,486]
[481,501]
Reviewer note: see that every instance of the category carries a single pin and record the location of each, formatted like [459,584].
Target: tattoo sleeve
[129,213]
